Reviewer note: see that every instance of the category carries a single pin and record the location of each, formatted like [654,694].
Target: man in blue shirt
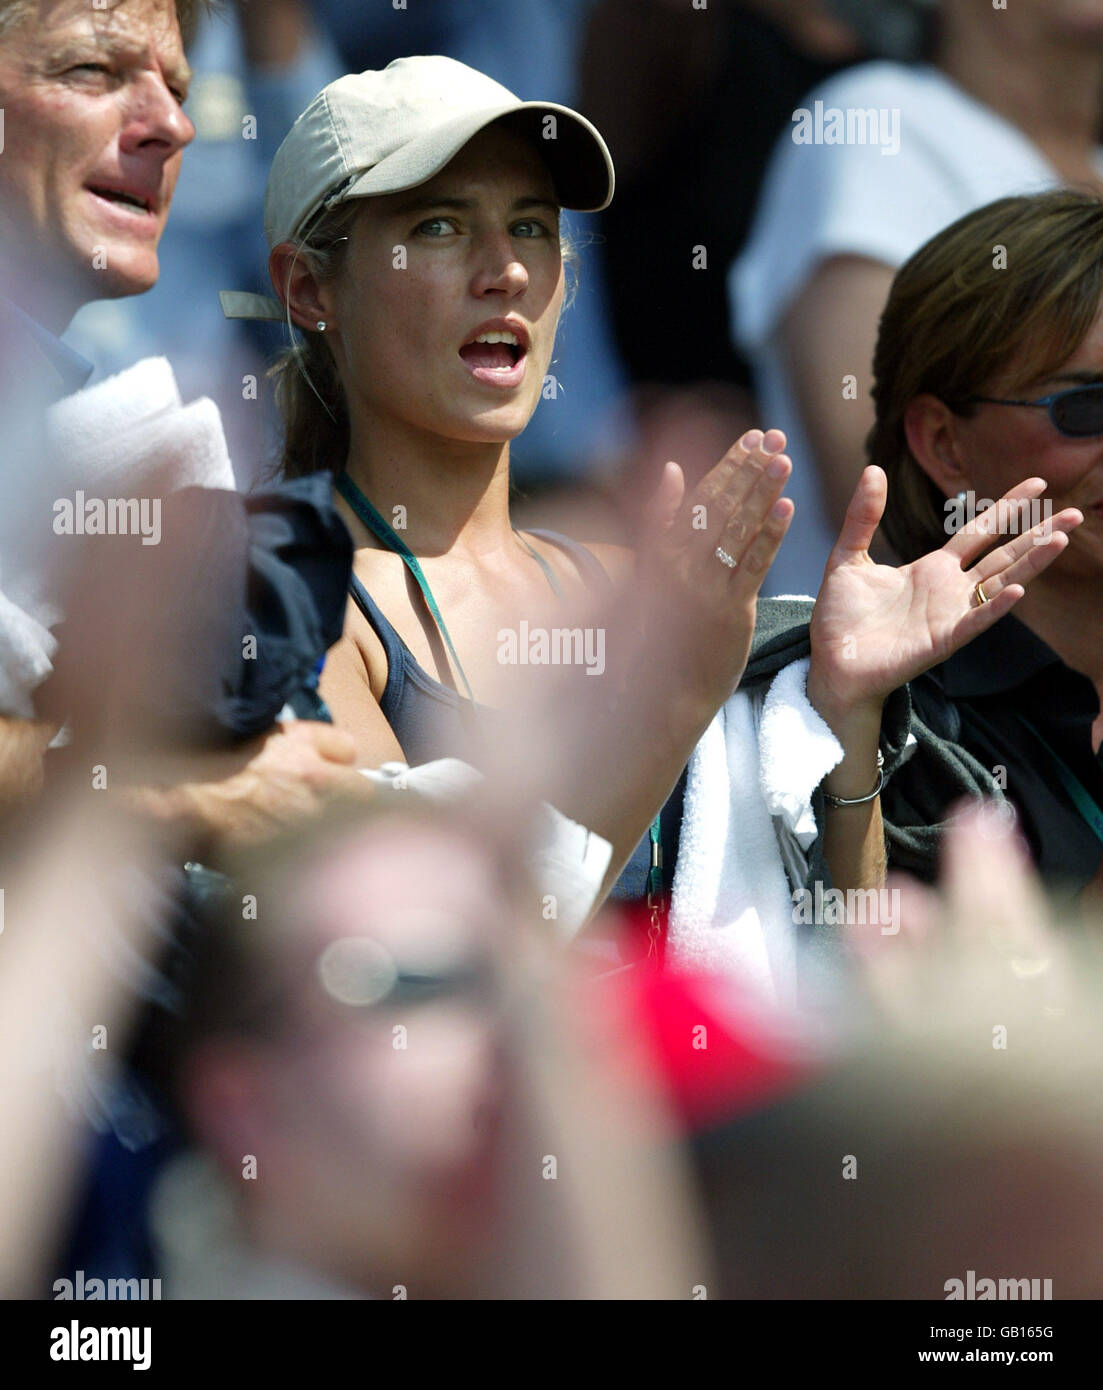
[92,136]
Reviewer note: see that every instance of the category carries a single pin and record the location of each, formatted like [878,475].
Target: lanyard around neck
[388,537]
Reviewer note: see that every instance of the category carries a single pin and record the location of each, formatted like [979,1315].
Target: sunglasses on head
[1076,412]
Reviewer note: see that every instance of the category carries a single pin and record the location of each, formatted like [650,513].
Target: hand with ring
[875,627]
[711,553]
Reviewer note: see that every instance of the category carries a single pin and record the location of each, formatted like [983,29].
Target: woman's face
[473,251]
[1001,445]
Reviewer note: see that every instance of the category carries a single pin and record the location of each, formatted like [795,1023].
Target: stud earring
[322,325]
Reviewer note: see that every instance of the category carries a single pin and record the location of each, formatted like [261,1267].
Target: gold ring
[979,594]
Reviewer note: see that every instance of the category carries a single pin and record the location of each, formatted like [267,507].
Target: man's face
[94,132]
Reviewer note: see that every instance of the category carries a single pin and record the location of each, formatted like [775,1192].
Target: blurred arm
[22,745]
[274,32]
[829,332]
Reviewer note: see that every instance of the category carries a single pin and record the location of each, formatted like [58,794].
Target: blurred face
[480,257]
[383,1090]
[94,131]
[1003,444]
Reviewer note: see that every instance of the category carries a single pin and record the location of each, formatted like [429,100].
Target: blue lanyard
[382,532]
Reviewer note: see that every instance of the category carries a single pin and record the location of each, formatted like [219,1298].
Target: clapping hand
[875,627]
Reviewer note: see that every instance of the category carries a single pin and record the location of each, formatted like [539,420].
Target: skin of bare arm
[828,333]
[22,745]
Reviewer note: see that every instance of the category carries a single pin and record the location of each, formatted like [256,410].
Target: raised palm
[875,627]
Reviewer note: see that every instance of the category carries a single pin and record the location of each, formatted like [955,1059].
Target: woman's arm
[678,644]
[346,686]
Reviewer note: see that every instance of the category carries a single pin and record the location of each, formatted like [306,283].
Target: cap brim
[577,157]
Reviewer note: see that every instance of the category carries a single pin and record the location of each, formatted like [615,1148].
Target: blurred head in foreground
[374,1059]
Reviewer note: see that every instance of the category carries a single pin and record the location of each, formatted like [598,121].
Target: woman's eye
[436,227]
[530,228]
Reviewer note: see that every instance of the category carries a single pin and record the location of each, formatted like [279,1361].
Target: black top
[979,699]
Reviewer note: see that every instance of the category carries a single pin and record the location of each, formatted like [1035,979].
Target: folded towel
[731,905]
[796,751]
[113,406]
[26,649]
[176,448]
[126,437]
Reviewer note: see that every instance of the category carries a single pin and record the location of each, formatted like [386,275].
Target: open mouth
[123,199]
[493,351]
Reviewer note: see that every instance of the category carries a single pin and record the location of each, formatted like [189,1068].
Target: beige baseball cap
[385,131]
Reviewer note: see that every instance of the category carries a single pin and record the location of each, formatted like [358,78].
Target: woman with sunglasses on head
[413,216]
[989,366]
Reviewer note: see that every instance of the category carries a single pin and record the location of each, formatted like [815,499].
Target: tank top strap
[393,645]
[588,564]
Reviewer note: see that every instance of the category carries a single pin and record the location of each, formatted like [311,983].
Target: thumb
[863,514]
[661,507]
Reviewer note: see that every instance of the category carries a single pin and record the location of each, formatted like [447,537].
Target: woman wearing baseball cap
[413,220]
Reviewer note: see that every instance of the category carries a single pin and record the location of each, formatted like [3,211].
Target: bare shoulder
[618,561]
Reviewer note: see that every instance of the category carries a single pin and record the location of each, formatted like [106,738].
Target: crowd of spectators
[320,980]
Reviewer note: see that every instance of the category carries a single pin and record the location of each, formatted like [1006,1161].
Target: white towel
[731,905]
[126,437]
[132,432]
[174,449]
[26,652]
[114,405]
[796,751]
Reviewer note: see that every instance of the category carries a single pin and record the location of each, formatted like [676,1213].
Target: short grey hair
[188,12]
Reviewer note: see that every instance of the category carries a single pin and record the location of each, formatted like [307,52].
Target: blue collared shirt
[72,369]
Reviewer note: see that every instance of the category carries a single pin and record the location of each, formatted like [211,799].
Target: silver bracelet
[861,800]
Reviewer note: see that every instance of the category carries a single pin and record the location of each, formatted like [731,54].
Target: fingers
[863,515]
[663,504]
[725,488]
[982,615]
[760,554]
[751,511]
[996,902]
[985,876]
[1025,557]
[1005,517]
